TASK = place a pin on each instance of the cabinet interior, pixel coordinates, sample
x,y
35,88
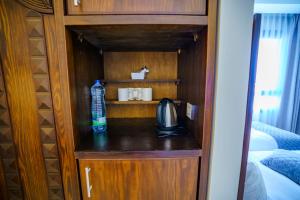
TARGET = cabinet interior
x,y
174,54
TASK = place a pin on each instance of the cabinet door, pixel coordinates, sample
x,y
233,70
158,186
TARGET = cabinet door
x,y
153,179
188,7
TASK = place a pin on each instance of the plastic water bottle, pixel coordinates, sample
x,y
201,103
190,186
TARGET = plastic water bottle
x,y
98,108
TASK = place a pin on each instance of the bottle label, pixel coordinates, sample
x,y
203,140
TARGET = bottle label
x,y
101,121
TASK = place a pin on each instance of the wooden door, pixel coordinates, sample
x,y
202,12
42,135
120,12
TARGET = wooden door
x,y
148,179
28,148
187,7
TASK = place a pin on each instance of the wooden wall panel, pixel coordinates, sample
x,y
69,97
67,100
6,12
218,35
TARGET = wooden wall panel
x,y
191,70
33,140
88,67
56,37
119,65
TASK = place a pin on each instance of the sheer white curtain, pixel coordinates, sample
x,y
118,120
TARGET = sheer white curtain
x,y
277,71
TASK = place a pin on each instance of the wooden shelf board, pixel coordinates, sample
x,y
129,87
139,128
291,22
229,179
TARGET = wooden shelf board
x,y
132,138
154,102
142,81
135,19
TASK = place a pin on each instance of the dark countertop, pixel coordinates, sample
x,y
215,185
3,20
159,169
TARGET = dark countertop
x,y
128,138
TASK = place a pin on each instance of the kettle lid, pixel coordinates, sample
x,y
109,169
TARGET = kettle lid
x,y
166,100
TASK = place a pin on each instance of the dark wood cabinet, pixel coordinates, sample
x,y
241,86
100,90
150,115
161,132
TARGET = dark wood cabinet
x,y
147,179
174,7
50,56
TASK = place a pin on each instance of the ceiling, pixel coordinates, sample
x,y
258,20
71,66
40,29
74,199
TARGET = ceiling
x,y
277,6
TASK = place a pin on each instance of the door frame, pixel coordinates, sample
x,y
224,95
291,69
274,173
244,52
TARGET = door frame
x,y
250,100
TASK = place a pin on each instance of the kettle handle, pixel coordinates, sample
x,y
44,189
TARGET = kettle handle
x,y
158,114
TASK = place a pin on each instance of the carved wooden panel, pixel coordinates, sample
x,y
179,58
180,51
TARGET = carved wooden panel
x,y
12,180
41,80
56,194
48,134
42,6
15,194
41,83
10,165
7,150
39,65
54,180
46,118
52,165
44,101
50,150
37,46
4,117
5,134
28,149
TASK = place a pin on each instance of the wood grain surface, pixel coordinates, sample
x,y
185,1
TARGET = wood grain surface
x,y
155,102
209,96
187,7
134,19
41,6
88,67
191,71
134,137
119,65
140,37
58,69
164,179
8,159
22,100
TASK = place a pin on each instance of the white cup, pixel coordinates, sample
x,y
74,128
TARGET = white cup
x,y
139,92
130,94
147,94
123,94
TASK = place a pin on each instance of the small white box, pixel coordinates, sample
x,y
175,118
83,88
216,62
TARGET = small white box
x,y
137,76
191,111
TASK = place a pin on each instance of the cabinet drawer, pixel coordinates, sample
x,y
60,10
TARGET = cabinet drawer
x,y
186,7
163,179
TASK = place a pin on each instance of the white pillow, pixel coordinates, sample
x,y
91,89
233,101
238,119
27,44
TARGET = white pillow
x,y
255,188
260,141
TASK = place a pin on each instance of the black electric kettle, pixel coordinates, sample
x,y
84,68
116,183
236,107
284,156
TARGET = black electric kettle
x,y
166,115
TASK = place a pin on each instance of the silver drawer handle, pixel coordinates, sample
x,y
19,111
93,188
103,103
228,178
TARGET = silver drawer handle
x,y
88,186
76,2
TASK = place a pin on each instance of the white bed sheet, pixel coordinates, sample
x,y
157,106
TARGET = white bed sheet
x,y
261,141
278,187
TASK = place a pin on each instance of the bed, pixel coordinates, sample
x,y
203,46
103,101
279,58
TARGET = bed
x,y
265,140
278,187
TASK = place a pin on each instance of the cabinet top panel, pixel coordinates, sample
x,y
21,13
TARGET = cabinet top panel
x,y
138,37
135,138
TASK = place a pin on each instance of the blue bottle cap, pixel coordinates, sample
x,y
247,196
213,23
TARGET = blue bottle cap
x,y
98,81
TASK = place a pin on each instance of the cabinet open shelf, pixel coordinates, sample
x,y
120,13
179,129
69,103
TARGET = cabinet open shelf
x,y
154,102
135,137
176,81
175,55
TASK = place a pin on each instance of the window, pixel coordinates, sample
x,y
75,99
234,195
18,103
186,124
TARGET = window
x,y
267,87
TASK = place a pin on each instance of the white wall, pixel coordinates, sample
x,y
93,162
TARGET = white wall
x,y
233,62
